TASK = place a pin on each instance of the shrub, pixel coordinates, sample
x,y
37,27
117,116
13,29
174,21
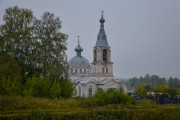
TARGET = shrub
x,y
10,75
38,87
67,89
113,97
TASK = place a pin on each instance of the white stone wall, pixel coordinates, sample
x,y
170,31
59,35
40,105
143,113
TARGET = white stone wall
x,y
82,90
86,87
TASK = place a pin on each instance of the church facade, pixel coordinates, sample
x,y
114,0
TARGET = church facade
x,y
89,78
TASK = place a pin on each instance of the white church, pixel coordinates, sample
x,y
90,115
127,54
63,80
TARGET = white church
x,y
89,78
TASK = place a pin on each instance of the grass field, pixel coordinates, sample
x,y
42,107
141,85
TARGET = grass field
x,y
83,109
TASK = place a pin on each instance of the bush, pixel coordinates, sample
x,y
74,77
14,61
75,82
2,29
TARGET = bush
x,y
113,97
38,87
67,89
10,75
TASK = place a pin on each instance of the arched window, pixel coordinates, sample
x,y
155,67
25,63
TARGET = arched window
x,y
105,55
85,70
106,70
102,70
76,70
80,70
95,54
90,92
79,91
71,70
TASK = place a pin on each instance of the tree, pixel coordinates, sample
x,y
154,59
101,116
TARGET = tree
x,y
67,89
10,75
16,34
50,47
161,89
148,88
55,90
174,82
148,80
172,92
178,91
38,45
37,87
142,92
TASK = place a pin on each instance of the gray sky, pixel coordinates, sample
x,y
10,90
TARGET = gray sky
x,y
144,35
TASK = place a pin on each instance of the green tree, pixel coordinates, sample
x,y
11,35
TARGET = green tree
x,y
55,90
38,45
16,34
152,81
67,89
174,82
142,92
178,91
164,88
50,47
10,75
172,92
37,87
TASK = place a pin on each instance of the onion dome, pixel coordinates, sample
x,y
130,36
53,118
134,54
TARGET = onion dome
x,y
75,61
78,49
102,20
78,59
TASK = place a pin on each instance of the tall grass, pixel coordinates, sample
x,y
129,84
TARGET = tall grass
x,y
82,109
19,103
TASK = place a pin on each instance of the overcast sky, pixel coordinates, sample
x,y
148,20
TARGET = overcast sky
x,y
144,35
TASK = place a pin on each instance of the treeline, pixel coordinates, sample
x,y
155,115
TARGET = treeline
x,y
151,86
33,61
153,81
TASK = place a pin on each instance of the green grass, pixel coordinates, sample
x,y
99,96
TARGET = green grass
x,y
83,109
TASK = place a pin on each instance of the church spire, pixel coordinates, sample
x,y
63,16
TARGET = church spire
x,y
78,49
101,38
102,20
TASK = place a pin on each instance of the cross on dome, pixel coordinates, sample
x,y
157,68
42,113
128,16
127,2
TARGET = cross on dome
x,y
78,38
102,20
78,49
102,12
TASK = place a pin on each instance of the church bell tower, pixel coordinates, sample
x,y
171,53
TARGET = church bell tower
x,y
102,65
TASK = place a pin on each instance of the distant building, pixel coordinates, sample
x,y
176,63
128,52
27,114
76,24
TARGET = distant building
x,y
88,79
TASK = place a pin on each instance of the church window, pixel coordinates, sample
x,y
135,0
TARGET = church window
x,y
90,92
95,54
102,70
80,70
79,91
71,70
106,70
105,55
